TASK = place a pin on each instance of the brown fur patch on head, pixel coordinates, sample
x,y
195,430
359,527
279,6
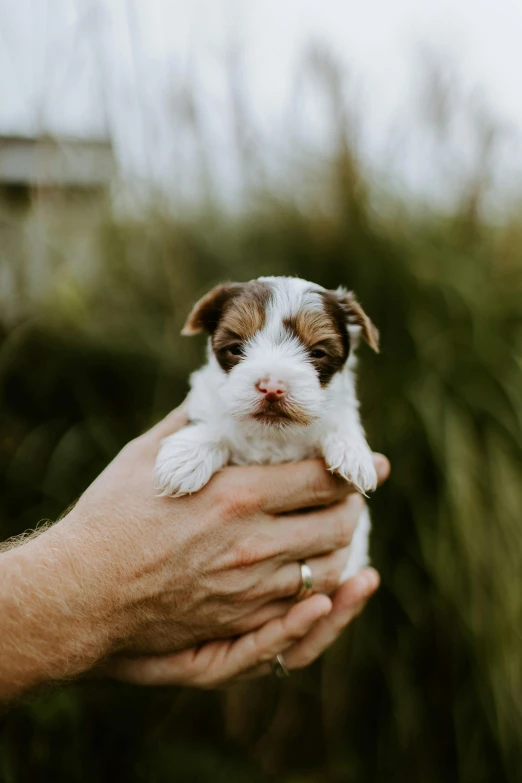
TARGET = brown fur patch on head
x,y
232,314
241,319
323,333
205,315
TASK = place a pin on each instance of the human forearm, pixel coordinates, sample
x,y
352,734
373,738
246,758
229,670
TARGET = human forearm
x,y
52,624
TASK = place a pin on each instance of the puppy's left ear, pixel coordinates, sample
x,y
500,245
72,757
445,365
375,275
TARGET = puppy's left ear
x,y
357,319
207,312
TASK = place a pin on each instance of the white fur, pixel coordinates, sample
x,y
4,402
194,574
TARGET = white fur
x,y
223,432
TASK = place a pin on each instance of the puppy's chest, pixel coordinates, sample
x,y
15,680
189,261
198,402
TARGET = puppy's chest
x,y
252,450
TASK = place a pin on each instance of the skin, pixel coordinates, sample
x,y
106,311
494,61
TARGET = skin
x,y
134,585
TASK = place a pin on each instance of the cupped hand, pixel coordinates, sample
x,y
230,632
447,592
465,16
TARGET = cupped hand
x,y
303,634
163,574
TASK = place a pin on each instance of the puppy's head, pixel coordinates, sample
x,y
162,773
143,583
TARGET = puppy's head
x,y
278,345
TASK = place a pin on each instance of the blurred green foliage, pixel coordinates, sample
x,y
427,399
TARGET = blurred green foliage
x,y
427,685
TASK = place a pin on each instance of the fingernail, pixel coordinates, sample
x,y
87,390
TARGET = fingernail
x,y
382,466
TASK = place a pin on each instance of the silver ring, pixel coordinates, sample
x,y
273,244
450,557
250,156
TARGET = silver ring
x,y
279,667
307,582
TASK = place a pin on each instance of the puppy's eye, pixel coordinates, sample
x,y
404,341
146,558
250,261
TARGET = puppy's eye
x,y
318,353
236,349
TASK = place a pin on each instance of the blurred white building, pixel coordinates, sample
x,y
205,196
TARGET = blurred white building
x,y
52,192
54,167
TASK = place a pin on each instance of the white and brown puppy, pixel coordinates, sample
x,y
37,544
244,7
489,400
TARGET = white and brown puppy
x,y
278,386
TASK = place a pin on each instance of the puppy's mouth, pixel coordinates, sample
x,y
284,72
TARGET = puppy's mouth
x,y
280,414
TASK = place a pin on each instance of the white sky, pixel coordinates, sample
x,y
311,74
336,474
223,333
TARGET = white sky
x,y
83,67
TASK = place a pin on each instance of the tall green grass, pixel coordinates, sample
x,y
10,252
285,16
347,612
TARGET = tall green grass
x,y
427,686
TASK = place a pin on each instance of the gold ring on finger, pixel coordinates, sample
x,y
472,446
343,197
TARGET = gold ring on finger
x,y
307,582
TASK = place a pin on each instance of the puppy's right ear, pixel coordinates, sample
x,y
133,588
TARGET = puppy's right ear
x,y
207,312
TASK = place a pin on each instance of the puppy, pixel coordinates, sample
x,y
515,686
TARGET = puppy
x,y
278,386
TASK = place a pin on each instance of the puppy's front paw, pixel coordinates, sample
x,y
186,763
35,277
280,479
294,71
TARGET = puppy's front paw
x,y
187,461
353,461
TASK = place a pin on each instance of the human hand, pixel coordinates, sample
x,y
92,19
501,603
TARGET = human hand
x,y
302,635
129,572
222,562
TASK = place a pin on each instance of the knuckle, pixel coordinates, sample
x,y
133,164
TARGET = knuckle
x,y
325,488
265,656
320,490
344,529
288,590
331,578
237,502
238,626
238,589
251,549
220,500
252,593
293,637
228,590
247,553
339,534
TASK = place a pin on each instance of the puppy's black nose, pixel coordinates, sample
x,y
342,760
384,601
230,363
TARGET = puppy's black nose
x,y
272,389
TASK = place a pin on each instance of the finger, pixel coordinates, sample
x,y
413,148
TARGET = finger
x,y
143,670
294,485
277,635
318,532
297,485
326,574
382,466
260,616
348,602
217,662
